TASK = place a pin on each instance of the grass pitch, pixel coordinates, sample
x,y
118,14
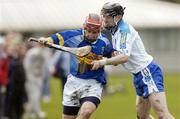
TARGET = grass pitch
x,y
119,105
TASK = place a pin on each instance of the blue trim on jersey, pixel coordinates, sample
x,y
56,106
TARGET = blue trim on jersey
x,y
102,47
66,35
70,34
104,35
123,26
150,77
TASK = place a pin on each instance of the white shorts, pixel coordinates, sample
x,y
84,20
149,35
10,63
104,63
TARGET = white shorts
x,y
76,88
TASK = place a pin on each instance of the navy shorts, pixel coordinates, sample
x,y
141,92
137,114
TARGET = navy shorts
x,y
73,110
149,80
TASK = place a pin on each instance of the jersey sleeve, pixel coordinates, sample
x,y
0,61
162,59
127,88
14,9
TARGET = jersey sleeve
x,y
61,37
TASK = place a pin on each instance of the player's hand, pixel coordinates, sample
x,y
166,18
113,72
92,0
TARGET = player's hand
x,y
43,40
95,65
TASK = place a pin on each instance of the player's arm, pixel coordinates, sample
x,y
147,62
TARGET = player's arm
x,y
114,56
117,59
55,39
121,56
63,37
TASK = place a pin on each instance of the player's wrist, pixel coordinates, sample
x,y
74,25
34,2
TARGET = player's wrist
x,y
102,62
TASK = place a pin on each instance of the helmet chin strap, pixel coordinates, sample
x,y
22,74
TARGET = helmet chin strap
x,y
115,21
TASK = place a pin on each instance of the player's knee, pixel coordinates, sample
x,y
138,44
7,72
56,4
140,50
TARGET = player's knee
x,y
86,113
165,116
161,113
161,116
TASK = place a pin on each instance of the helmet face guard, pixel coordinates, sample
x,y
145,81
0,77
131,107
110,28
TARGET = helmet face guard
x,y
92,27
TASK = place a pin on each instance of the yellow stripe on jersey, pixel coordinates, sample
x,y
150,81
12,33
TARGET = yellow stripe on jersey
x,y
61,41
50,40
123,38
123,41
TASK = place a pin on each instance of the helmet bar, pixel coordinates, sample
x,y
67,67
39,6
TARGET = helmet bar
x,y
96,24
92,27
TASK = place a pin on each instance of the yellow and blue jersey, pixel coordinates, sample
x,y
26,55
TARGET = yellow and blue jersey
x,y
75,38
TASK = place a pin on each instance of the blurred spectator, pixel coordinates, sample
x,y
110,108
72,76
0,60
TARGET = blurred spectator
x,y
12,36
16,94
60,66
113,89
34,63
4,67
47,52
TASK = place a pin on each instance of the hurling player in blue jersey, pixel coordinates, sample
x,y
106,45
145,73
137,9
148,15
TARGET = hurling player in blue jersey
x,y
82,91
148,77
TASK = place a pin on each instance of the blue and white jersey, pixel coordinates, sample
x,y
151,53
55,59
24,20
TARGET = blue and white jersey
x,y
75,38
127,41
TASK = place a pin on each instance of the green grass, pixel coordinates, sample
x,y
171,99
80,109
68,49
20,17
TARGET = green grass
x,y
119,105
